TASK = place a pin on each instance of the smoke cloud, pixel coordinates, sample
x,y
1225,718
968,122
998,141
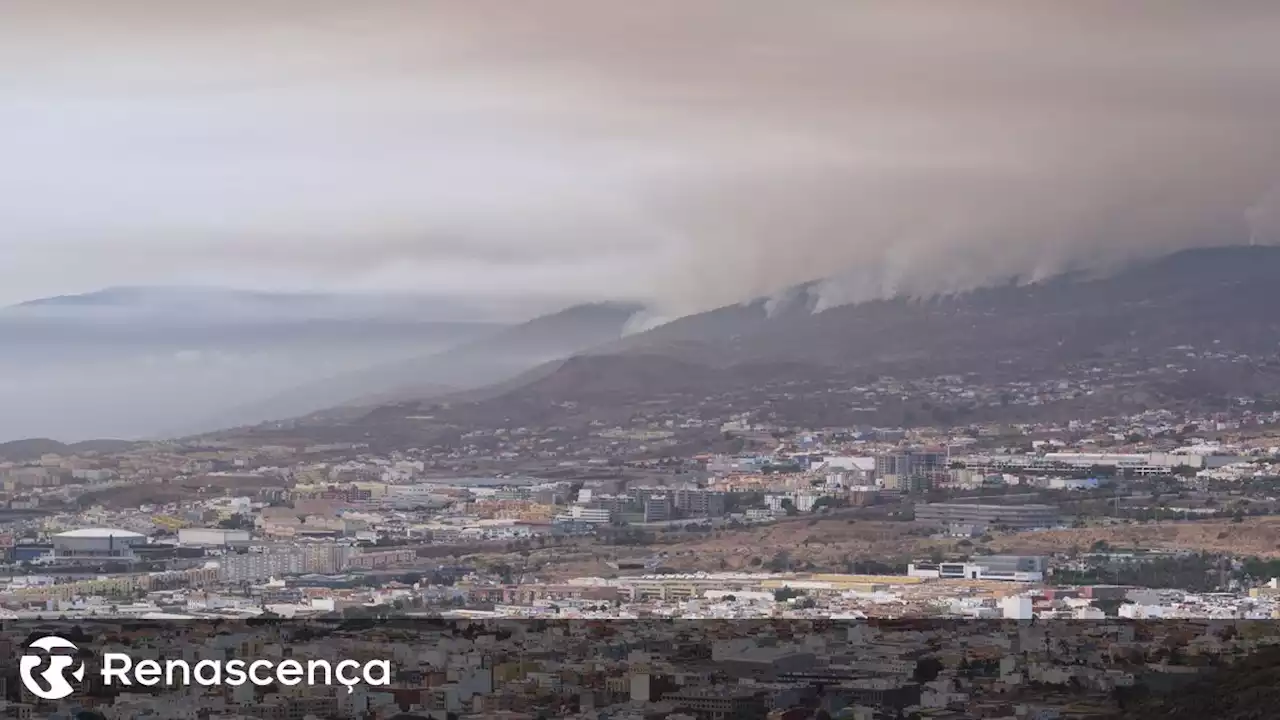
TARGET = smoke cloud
x,y
687,153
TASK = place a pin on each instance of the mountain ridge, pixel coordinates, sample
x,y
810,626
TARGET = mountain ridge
x,y
1218,297
213,302
492,358
28,449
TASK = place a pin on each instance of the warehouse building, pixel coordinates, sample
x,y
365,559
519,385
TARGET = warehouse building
x,y
96,544
1008,568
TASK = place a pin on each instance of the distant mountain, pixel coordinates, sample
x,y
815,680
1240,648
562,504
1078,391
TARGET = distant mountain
x,y
1222,300
204,305
492,358
138,362
33,448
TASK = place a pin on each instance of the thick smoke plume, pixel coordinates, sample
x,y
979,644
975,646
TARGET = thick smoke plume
x,y
688,153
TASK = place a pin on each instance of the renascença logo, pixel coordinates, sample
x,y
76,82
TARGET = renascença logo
x,y
120,669
52,683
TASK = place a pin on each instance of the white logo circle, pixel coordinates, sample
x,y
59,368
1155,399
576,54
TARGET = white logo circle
x,y
54,676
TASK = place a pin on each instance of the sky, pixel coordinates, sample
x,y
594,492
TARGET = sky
x,y
685,152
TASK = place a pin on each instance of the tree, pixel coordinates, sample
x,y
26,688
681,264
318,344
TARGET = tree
x,y
785,593
781,562
927,670
1110,606
824,502
236,522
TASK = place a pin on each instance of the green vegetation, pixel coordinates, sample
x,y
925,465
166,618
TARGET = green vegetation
x,y
626,536
237,522
1260,570
785,593
1196,573
927,669
788,594
781,562
736,502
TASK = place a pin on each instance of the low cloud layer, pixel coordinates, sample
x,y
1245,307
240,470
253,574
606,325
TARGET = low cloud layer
x,y
693,154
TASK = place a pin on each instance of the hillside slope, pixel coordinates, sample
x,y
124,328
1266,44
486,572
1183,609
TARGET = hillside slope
x,y
1223,294
32,448
493,358
1192,331
1217,301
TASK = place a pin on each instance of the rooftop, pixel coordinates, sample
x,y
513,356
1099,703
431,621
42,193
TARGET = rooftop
x,y
99,533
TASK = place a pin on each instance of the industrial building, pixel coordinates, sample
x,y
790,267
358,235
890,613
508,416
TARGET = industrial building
x,y
1017,517
1008,568
96,544
1135,464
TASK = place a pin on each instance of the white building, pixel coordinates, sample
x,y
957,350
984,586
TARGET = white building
x,y
97,543
583,514
1017,608
1142,612
1008,568
803,502
853,469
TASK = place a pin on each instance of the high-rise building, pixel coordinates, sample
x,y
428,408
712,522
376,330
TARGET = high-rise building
x,y
911,463
657,508
921,483
322,558
700,502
